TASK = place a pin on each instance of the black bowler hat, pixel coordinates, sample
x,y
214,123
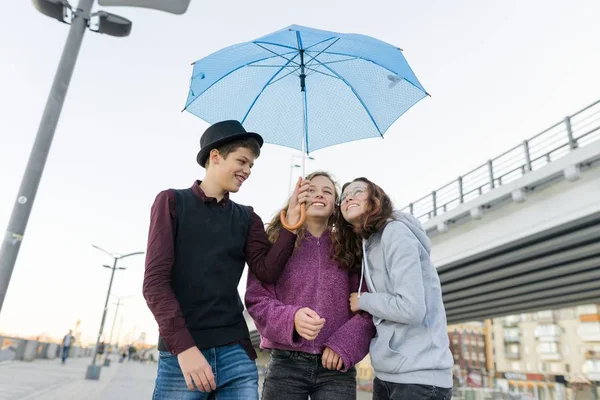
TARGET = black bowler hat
x,y
221,133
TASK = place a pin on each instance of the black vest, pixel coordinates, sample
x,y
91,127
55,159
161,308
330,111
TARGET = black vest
x,y
209,260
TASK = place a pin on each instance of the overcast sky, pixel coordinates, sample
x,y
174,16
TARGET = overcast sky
x,y
498,72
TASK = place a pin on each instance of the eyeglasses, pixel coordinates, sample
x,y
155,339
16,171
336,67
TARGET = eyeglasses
x,y
355,192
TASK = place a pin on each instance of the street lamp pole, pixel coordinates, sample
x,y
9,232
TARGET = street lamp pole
x,y
17,224
41,147
106,360
93,370
109,24
112,276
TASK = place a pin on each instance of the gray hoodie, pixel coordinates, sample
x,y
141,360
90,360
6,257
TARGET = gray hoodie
x,y
405,300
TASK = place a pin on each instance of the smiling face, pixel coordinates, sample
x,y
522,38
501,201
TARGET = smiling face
x,y
232,170
320,208
354,202
322,197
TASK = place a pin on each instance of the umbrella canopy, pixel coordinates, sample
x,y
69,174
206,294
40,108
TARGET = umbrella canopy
x,y
306,88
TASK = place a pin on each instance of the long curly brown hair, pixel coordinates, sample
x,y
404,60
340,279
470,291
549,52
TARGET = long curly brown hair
x,y
347,240
275,226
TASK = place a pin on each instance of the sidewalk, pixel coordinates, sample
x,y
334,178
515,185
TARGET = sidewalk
x,y
50,380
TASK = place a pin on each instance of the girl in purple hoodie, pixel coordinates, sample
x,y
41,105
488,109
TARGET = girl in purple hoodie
x,y
304,319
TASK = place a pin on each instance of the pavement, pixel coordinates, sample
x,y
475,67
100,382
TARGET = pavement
x,y
51,380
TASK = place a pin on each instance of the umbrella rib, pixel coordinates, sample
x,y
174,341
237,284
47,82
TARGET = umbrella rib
x,y
338,61
318,43
275,44
320,72
348,55
284,76
223,77
322,51
271,57
279,55
353,91
196,97
272,66
261,92
373,62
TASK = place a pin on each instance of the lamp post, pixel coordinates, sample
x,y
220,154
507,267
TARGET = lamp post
x,y
79,18
118,303
119,336
93,370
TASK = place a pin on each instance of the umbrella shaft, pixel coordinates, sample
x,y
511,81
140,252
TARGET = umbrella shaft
x,y
302,72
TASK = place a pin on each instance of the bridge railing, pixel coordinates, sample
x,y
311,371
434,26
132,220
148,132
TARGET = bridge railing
x,y
574,131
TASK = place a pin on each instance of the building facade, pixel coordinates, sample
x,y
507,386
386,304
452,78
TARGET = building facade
x,y
549,354
468,346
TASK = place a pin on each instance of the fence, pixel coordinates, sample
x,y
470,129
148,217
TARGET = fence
x,y
577,130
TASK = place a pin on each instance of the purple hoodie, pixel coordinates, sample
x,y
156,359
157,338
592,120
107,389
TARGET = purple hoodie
x,y
311,279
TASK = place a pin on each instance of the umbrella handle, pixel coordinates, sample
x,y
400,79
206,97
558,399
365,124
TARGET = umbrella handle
x,y
300,222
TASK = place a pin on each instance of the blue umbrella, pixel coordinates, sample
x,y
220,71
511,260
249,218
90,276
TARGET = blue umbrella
x,y
306,88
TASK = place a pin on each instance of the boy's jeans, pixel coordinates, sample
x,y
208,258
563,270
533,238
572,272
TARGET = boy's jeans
x,y
293,375
235,373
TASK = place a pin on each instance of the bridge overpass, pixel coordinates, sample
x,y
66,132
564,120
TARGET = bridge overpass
x,y
522,232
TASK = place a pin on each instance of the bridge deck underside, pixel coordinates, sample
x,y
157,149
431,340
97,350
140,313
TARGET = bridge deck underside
x,y
553,269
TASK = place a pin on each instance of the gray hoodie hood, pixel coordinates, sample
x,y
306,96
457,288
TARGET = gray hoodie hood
x,y
415,227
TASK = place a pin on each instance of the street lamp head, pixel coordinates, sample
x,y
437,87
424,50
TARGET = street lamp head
x,y
107,266
170,6
102,250
52,8
121,268
113,25
137,253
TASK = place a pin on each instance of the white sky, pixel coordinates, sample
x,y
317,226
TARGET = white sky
x,y
498,72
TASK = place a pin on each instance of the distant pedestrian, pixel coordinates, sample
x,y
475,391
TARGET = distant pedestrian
x,y
67,342
101,347
131,352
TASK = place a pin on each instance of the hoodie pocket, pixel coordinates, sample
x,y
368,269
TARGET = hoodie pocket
x,y
384,358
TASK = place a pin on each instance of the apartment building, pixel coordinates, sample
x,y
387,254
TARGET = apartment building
x,y
549,354
589,332
467,343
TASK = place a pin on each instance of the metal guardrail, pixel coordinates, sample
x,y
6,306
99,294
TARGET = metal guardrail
x,y
577,130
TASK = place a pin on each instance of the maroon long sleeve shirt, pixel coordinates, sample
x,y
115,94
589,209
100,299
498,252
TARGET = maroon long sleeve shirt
x,y
266,262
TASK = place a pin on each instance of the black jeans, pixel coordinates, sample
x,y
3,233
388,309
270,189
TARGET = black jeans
x,y
293,375
383,390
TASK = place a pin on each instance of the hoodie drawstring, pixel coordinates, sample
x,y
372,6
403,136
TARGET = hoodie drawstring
x,y
362,269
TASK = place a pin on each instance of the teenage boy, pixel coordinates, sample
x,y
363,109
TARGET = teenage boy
x,y
199,241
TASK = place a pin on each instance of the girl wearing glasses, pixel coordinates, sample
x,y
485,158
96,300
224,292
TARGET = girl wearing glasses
x,y
410,353
304,319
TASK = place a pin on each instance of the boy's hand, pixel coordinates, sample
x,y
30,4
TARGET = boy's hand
x,y
196,370
307,323
331,360
299,197
354,303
